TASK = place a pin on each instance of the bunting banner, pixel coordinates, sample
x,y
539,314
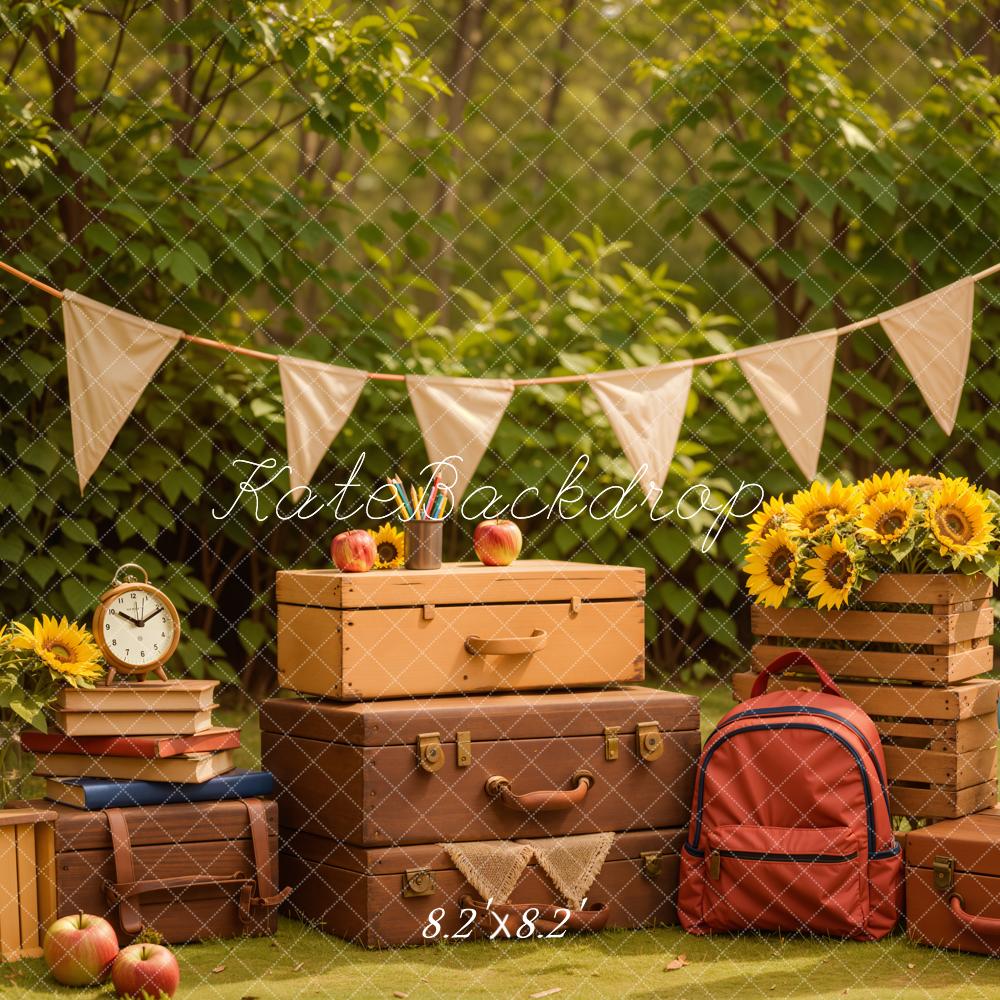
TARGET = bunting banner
x,y
792,381
645,407
318,400
111,357
933,336
458,417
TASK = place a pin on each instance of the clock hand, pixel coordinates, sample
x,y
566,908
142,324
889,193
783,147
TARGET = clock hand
x,y
150,617
128,618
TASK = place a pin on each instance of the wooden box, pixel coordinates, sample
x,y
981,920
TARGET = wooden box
x,y
953,884
917,628
462,628
940,743
384,897
428,770
25,844
190,872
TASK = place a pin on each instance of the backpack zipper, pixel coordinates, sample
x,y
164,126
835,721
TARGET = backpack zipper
x,y
716,855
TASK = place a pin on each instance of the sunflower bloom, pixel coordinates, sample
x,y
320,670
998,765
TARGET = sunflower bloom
x,y
887,517
923,483
833,574
770,567
960,520
66,649
388,547
888,482
818,507
773,514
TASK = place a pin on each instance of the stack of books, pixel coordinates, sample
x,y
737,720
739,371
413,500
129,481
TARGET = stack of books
x,y
144,743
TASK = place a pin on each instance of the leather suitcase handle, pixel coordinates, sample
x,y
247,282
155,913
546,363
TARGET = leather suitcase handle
x,y
550,917
793,658
546,800
984,926
507,646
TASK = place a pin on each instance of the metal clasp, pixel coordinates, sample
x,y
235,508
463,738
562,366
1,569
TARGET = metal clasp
x,y
944,873
611,742
649,740
575,603
430,756
418,882
652,863
714,866
463,748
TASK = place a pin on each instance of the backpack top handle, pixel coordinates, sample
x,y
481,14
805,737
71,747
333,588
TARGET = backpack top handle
x,y
794,657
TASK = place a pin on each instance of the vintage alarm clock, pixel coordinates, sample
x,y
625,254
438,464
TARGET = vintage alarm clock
x,y
136,626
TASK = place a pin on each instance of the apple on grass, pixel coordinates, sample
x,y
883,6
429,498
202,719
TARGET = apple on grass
x,y
353,551
145,968
497,543
79,949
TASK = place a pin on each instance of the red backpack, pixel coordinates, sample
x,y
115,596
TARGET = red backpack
x,y
790,828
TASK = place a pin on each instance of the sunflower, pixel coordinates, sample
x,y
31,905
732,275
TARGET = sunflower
x,y
388,547
66,649
770,566
813,509
773,514
888,482
887,517
923,482
960,519
832,574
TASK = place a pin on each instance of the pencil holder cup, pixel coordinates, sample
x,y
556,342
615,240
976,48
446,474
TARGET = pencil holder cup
x,y
422,544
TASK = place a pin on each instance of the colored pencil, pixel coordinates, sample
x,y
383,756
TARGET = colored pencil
x,y
431,499
396,497
416,502
402,494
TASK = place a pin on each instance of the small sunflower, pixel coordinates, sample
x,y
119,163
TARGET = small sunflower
x,y
832,574
887,517
770,566
388,547
773,514
959,519
888,482
819,506
66,649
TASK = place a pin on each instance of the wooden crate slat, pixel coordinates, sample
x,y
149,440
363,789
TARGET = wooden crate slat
x,y
926,588
10,918
941,803
955,770
958,737
27,879
927,668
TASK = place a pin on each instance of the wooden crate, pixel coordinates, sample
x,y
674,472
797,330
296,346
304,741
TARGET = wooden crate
x,y
25,896
924,629
940,742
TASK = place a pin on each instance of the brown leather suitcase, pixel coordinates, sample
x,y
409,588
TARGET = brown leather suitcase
x,y
464,627
189,872
387,897
953,883
422,771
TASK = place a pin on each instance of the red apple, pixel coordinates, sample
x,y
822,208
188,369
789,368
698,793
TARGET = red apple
x,y
497,543
145,967
353,551
79,950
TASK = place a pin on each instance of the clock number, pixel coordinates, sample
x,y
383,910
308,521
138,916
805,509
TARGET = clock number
x,y
114,642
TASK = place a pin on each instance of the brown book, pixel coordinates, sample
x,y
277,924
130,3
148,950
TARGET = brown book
x,y
216,738
133,723
139,696
189,769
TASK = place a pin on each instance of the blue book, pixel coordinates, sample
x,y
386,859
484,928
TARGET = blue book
x,y
101,793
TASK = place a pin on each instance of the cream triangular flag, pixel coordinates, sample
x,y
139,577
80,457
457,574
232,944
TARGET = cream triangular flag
x,y
492,867
645,407
792,381
318,400
458,417
110,358
933,335
572,863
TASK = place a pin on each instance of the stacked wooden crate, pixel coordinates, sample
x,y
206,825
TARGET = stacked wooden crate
x,y
911,655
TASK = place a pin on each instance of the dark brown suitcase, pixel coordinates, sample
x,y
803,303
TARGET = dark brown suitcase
x,y
953,883
189,872
387,897
427,770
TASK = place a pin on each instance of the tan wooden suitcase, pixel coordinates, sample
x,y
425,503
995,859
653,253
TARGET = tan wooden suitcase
x,y
535,625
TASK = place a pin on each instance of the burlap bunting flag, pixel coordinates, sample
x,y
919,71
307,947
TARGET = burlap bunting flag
x,y
572,863
493,867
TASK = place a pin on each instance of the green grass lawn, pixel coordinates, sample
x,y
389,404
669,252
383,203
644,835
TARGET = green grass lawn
x,y
302,963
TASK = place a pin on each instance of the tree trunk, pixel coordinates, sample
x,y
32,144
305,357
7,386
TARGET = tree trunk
x,y
556,80
181,75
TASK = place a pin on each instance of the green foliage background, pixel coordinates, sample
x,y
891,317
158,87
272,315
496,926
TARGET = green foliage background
x,y
472,187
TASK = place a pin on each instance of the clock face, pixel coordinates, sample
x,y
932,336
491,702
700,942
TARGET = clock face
x,y
138,628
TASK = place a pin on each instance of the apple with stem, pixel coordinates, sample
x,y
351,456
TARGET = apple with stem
x,y
497,543
79,949
353,551
149,969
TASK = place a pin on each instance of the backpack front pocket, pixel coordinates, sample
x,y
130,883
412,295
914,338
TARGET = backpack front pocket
x,y
783,879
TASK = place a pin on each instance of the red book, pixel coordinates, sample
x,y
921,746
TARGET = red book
x,y
150,747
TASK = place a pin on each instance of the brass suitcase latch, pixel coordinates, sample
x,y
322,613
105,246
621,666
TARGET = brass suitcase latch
x,y
649,740
652,863
430,756
611,742
418,882
944,873
463,748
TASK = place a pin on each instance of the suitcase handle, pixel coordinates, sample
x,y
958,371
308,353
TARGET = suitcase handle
x,y
984,926
547,800
507,646
793,658
550,917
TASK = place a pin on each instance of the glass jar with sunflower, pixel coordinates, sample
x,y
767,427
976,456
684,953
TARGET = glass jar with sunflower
x,y
35,662
820,546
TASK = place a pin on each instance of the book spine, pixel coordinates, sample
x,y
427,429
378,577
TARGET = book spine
x,y
154,793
